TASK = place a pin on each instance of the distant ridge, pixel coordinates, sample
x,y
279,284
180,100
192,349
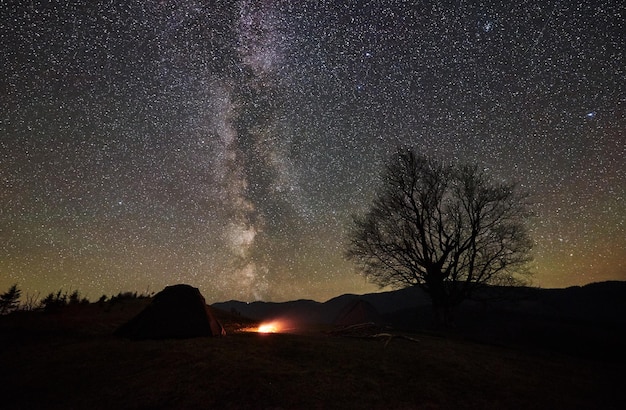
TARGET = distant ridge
x,y
599,301
311,312
587,320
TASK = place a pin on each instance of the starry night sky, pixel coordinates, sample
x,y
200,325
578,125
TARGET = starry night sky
x,y
225,144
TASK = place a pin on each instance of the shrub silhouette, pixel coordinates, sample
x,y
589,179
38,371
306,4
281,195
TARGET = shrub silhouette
x,y
54,300
75,299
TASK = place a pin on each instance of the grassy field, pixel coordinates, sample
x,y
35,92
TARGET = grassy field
x,y
71,361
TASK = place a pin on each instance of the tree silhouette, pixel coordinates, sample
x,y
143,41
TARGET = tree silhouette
x,y
9,300
446,228
54,300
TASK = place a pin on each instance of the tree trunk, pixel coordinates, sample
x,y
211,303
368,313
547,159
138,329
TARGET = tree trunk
x,y
444,314
443,305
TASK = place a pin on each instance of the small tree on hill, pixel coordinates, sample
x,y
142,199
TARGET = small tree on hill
x,y
446,228
30,302
9,300
75,299
54,300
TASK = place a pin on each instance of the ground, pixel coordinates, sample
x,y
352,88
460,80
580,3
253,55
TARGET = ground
x,y
71,360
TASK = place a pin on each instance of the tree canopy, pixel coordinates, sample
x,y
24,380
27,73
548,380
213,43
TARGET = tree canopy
x,y
447,228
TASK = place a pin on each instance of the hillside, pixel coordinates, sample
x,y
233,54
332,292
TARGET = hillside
x,y
69,358
586,321
71,368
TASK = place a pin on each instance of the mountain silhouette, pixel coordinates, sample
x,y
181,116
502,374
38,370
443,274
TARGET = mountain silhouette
x,y
585,320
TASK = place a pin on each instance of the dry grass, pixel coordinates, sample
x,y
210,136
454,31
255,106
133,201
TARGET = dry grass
x,y
80,366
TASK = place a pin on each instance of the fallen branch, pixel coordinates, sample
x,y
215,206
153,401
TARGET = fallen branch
x,y
391,336
370,331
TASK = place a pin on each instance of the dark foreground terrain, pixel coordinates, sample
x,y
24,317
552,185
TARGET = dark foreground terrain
x,y
69,359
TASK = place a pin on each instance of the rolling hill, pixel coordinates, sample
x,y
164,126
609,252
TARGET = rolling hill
x,y
586,320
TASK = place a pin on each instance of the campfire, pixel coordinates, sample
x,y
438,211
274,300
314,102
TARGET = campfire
x,y
271,327
274,326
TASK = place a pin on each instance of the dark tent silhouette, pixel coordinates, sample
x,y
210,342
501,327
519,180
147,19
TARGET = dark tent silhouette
x,y
177,312
356,312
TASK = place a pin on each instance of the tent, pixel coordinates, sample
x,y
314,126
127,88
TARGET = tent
x,y
357,312
177,312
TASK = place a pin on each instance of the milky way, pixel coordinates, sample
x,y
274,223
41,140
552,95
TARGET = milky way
x,y
226,144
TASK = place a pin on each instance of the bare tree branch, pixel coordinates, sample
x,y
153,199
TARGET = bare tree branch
x,y
445,228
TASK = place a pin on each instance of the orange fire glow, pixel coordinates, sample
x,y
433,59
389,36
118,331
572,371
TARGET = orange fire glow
x,y
272,327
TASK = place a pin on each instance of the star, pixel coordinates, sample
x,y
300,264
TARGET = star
x,y
227,145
